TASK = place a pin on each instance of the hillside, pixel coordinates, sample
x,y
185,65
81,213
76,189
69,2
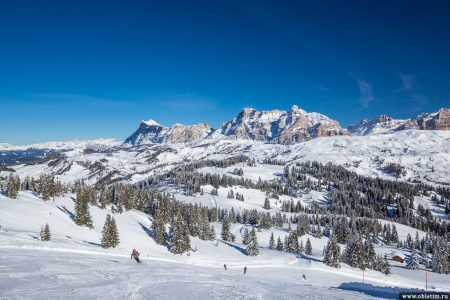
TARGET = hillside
x,y
72,248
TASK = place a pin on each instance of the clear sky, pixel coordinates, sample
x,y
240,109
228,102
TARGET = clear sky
x,y
89,69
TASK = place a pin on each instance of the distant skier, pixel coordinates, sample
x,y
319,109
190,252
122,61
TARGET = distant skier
x,y
135,255
225,266
245,270
304,276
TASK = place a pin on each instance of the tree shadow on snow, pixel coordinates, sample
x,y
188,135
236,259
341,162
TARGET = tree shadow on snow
x,y
376,291
67,212
149,232
240,249
92,243
34,237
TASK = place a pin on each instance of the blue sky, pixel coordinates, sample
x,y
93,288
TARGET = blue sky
x,y
90,69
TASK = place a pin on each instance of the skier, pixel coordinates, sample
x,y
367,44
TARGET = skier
x,y
225,266
245,270
135,255
304,276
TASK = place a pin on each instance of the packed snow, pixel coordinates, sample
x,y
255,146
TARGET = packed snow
x,y
73,262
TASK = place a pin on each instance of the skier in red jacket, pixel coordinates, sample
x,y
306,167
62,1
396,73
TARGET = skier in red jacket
x,y
135,255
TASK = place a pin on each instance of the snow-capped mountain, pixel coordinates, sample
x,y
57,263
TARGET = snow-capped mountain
x,y
434,121
278,126
383,124
64,145
152,132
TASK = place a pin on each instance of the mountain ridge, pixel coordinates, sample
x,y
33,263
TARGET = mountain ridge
x,y
439,120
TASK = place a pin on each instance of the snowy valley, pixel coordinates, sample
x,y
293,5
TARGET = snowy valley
x,y
310,209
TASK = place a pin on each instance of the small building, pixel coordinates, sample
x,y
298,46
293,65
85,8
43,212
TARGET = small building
x,y
398,257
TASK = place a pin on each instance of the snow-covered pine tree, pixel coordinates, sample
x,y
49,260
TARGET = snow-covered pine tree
x,y
232,216
110,233
378,263
114,239
354,252
45,234
177,236
371,255
332,253
301,248
342,231
292,245
308,247
246,237
394,235
319,233
267,203
212,233
412,262
105,232
279,246
252,247
159,228
272,242
417,241
439,261
226,233
82,215
13,186
386,267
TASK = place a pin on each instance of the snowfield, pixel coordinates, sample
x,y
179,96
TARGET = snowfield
x,y
423,155
74,265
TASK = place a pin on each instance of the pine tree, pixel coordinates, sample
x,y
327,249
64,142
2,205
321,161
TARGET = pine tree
x,y
308,247
292,245
110,234
246,237
82,215
332,253
417,241
179,237
301,248
355,254
319,232
412,262
342,231
105,232
272,242
440,262
394,234
13,186
279,246
226,233
252,247
371,255
159,228
267,203
386,267
45,234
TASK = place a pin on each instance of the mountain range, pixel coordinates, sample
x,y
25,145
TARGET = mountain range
x,y
281,127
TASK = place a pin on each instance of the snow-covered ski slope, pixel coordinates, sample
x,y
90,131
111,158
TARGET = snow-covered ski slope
x,y
423,155
74,264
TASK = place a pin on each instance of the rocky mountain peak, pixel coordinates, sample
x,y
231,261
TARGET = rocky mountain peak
x,y
152,132
279,126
